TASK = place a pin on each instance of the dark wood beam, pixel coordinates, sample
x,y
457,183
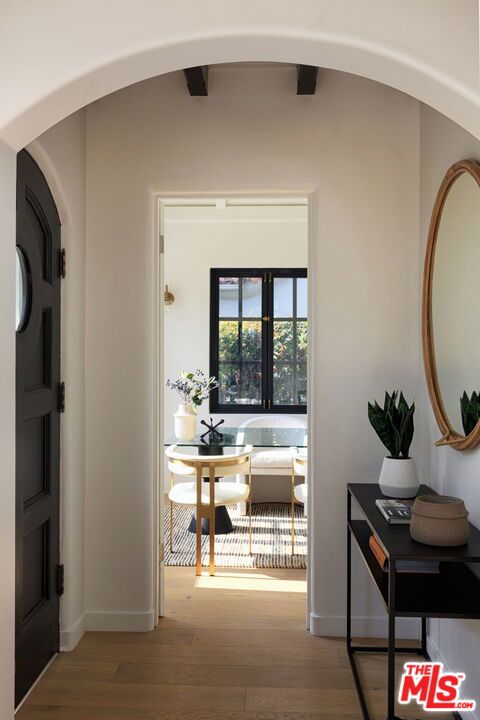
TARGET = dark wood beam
x,y
197,80
306,79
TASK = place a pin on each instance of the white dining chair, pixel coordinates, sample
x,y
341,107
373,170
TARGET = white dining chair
x,y
205,493
268,460
299,491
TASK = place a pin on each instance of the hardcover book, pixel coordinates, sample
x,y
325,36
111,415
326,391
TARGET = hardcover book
x,y
396,512
403,566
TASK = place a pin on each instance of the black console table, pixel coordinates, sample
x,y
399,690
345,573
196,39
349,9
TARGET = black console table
x,y
453,593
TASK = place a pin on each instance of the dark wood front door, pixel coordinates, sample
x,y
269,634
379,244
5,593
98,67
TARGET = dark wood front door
x,y
37,426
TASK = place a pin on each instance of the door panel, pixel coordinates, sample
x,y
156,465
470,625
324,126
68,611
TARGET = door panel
x,y
37,430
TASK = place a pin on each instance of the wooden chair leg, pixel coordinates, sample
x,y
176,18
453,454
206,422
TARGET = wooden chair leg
x,y
199,520
171,526
171,514
212,520
250,509
293,510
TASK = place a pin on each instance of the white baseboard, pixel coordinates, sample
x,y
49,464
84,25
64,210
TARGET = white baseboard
x,y
120,621
436,656
377,627
70,637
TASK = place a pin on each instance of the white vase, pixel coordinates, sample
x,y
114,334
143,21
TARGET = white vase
x,y
185,422
399,477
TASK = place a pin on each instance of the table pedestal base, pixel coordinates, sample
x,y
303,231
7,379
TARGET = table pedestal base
x,y
223,524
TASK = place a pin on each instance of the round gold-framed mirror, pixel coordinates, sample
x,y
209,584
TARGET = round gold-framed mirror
x,y
451,302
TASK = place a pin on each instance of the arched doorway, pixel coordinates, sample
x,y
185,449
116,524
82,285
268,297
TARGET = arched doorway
x,y
70,88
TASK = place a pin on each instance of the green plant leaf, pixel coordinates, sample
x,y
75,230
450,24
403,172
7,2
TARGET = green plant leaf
x,y
393,423
470,410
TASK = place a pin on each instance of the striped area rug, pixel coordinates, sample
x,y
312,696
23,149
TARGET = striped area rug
x,y
271,539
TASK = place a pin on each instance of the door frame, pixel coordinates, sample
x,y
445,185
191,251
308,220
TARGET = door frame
x,y
162,200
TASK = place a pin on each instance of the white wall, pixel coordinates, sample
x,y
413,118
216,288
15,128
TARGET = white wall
x,y
355,144
8,172
61,154
63,62
449,471
198,239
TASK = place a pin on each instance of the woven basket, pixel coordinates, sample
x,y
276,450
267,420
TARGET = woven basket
x,y
439,520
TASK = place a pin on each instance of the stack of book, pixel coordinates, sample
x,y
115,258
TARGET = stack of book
x,y
402,566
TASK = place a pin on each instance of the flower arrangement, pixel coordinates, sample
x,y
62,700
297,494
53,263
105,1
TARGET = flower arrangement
x,y
193,387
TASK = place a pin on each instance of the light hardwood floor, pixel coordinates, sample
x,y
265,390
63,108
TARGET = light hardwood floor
x,y
231,647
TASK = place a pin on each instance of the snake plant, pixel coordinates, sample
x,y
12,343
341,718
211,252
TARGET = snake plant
x,y
393,423
470,411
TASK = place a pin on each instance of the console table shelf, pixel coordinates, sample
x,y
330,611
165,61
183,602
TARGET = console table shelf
x,y
423,595
454,592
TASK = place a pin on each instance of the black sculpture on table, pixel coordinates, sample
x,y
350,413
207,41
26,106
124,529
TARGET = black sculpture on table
x,y
212,439
214,434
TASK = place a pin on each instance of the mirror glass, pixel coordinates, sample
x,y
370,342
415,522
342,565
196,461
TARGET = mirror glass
x,y
456,301
22,294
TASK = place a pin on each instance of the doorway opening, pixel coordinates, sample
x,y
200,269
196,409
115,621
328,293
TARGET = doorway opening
x,y
232,297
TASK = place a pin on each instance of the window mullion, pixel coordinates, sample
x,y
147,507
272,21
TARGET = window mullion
x,y
294,336
269,358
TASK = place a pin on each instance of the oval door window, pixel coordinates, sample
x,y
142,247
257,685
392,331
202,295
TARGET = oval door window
x,y
22,300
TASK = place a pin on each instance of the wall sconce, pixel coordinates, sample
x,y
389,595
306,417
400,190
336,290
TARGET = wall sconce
x,y
168,297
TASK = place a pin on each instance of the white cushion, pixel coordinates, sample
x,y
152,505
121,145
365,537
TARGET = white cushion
x,y
185,493
273,421
273,457
300,493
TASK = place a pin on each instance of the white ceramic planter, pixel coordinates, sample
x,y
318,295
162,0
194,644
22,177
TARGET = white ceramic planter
x,y
185,422
399,477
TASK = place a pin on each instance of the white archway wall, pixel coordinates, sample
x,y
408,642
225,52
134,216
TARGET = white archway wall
x,y
428,49
356,145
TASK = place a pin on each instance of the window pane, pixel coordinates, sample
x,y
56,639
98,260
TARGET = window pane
x,y
228,377
302,297
23,291
228,340
283,297
240,384
302,340
252,297
240,369
228,293
283,341
282,385
250,390
251,341
301,389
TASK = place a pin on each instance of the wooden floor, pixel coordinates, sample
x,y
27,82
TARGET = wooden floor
x,y
232,647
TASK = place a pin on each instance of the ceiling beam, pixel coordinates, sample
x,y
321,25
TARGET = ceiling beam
x,y
306,79
197,80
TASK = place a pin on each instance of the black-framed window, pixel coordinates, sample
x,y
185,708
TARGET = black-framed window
x,y
258,340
